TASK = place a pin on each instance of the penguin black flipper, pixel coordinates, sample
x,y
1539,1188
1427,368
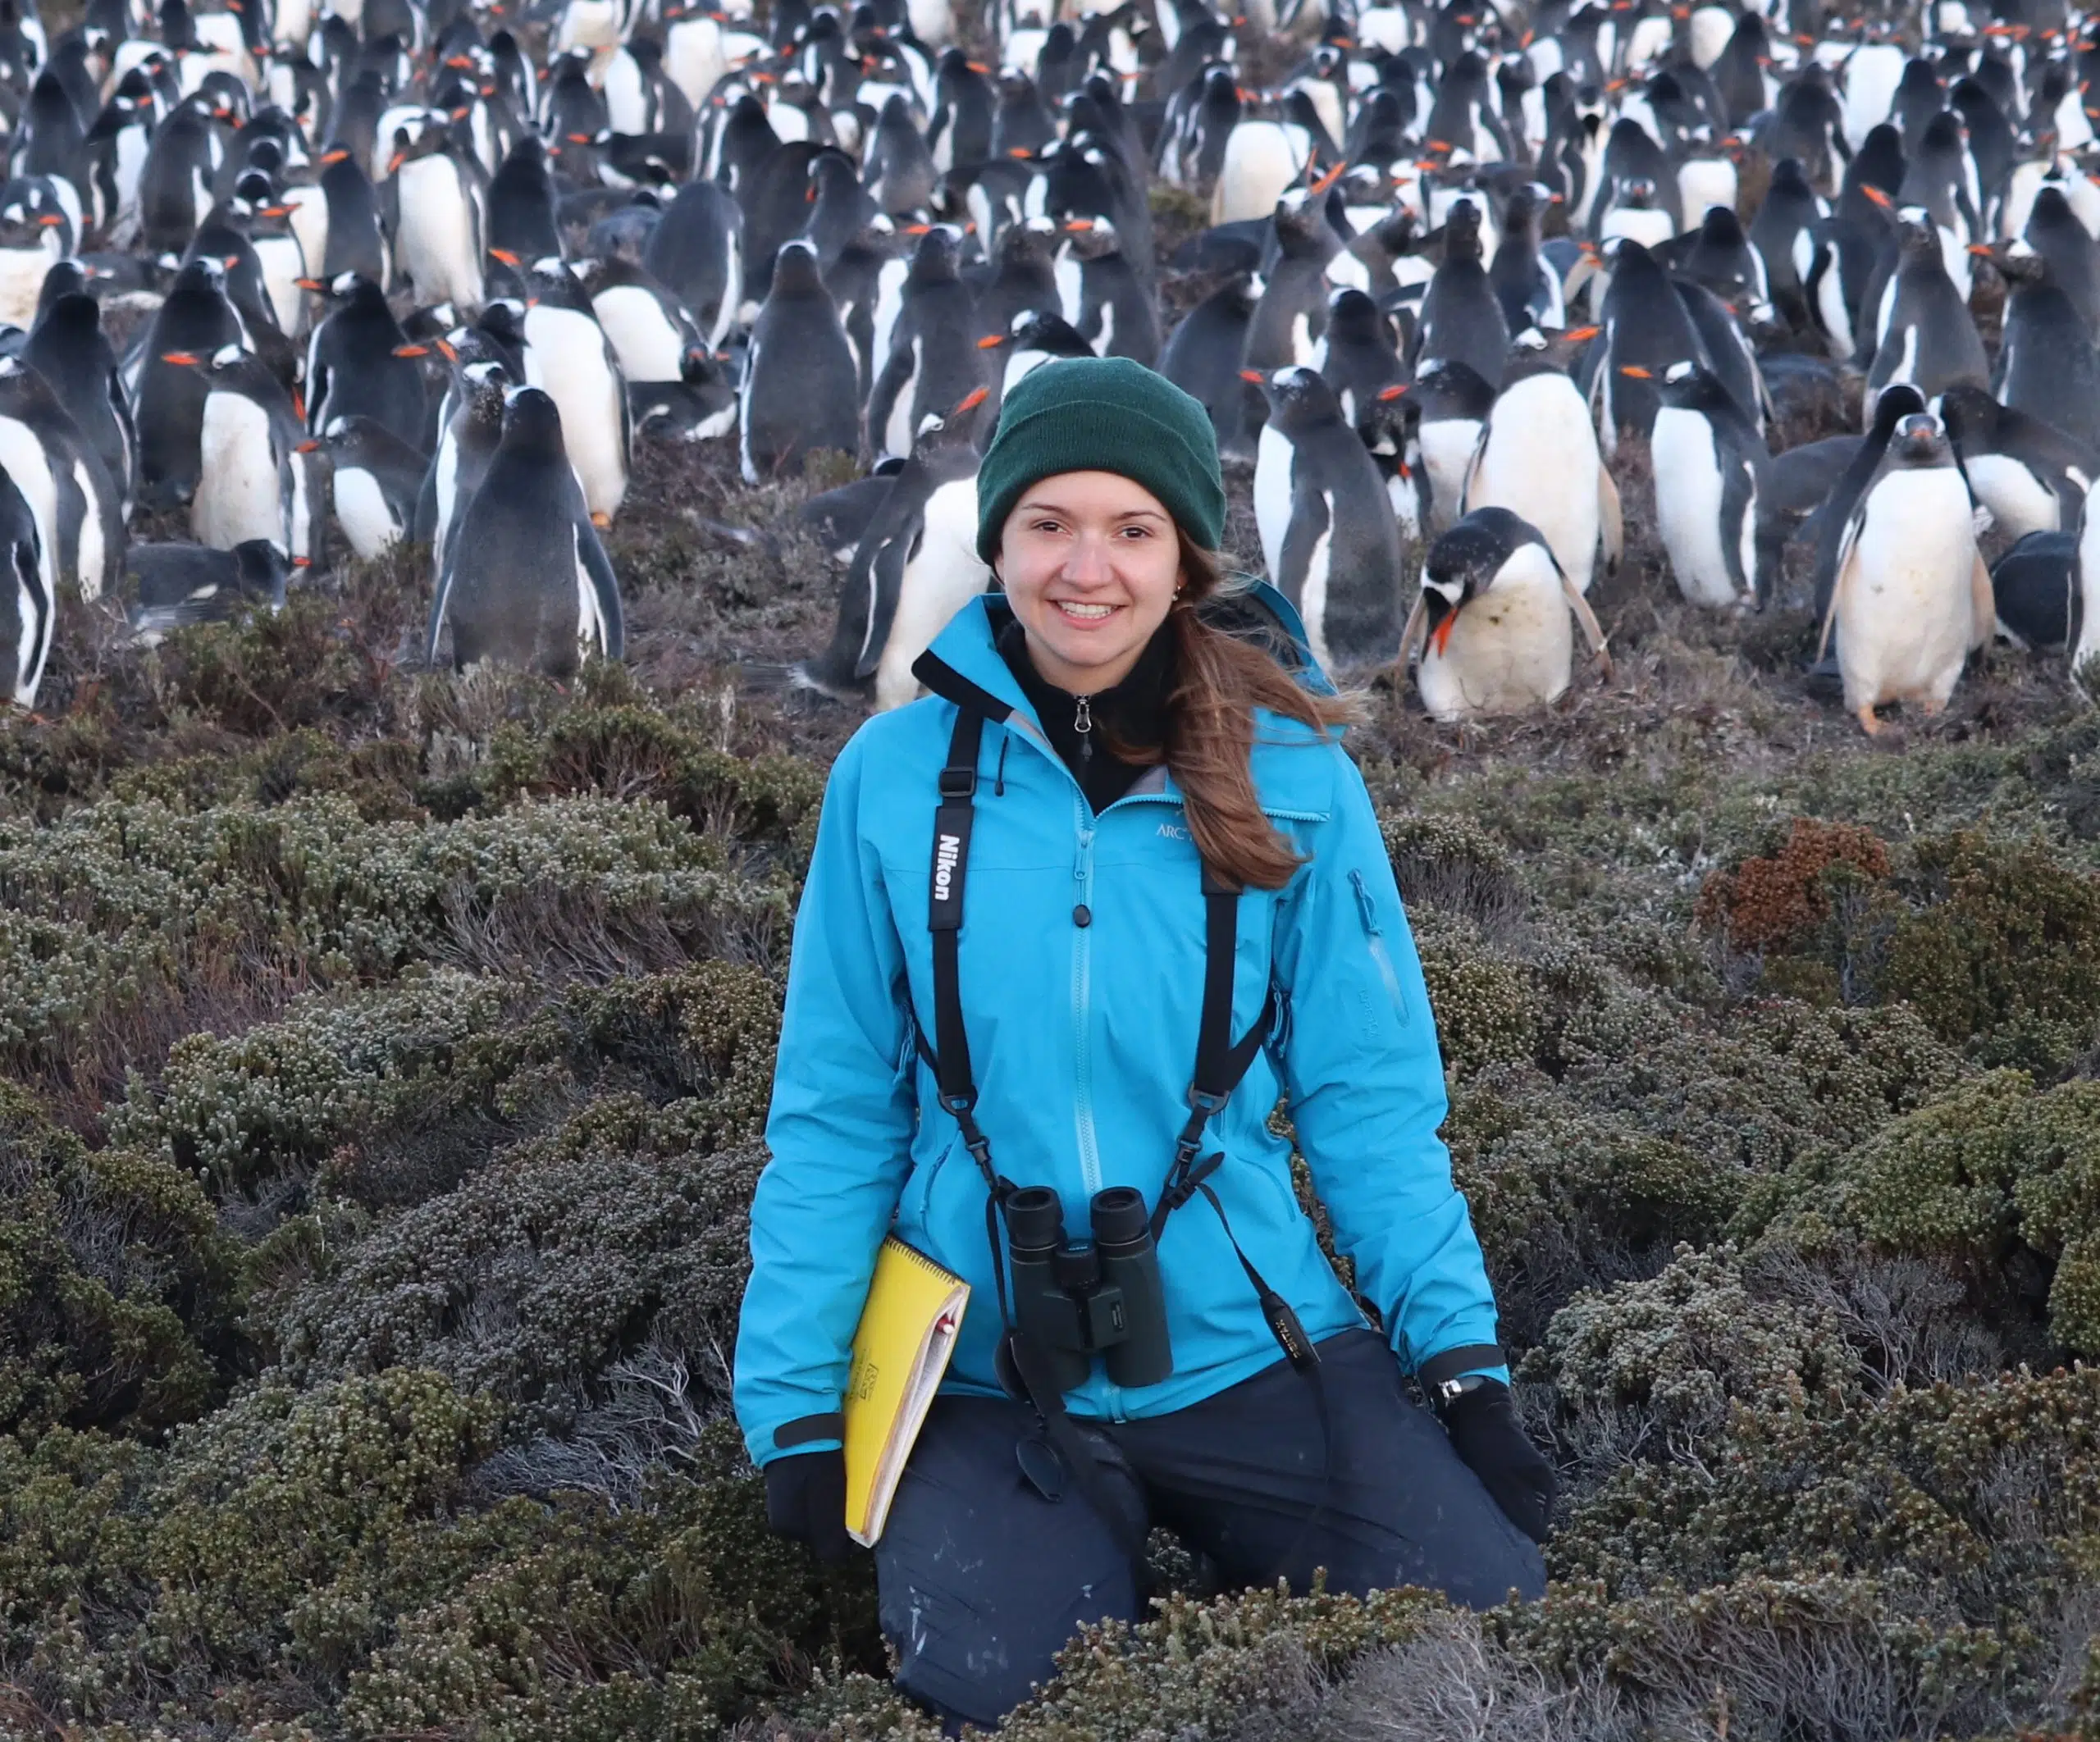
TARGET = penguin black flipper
x,y
1302,558
879,598
598,569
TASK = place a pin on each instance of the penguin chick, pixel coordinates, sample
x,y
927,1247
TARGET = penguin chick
x,y
1493,621
1912,598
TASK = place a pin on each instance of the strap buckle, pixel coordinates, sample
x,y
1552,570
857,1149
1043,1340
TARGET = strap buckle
x,y
958,784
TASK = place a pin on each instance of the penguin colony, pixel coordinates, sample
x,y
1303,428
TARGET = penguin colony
x,y
426,269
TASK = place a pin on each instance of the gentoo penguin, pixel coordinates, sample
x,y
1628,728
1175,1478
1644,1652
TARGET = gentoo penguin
x,y
2048,363
1528,289
1118,314
697,253
1646,328
69,349
800,382
179,585
1537,456
1360,353
1709,466
375,478
2035,593
437,236
914,567
525,580
1461,315
1036,340
465,446
1202,358
1926,336
934,362
570,357
651,332
521,202
360,364
1291,315
1781,233
1493,621
175,182
1328,535
356,240
28,609
257,477
1825,528
1451,403
1912,598
2054,232
900,169
169,389
2031,476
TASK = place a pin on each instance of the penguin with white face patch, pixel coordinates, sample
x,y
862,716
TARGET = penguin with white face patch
x,y
29,611
27,254
258,477
1118,314
1710,465
526,581
1537,456
68,348
1496,621
913,568
800,392
1036,340
1912,598
360,364
1328,535
374,480
570,357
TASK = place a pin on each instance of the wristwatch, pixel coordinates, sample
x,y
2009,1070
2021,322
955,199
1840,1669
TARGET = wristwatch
x,y
1450,1390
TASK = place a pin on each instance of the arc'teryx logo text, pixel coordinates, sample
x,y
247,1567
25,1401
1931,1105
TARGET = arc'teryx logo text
x,y
945,851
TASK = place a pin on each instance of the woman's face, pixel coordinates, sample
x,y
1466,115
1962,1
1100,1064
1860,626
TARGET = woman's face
x,y
1090,562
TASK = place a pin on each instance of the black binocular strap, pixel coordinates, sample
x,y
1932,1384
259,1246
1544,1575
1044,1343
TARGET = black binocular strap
x,y
1220,1063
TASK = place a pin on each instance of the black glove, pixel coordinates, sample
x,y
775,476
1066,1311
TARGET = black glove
x,y
1485,1433
805,1498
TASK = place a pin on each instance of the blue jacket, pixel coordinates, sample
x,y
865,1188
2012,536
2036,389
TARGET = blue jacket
x,y
1082,1037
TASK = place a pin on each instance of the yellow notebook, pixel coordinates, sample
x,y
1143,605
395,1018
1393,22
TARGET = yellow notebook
x,y
907,1333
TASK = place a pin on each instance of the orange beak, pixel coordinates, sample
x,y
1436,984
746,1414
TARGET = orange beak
x,y
1440,638
971,400
1581,334
1636,371
181,359
991,342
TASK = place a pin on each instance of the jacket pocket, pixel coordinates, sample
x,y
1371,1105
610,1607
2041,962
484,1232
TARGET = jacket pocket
x,y
917,1201
1374,937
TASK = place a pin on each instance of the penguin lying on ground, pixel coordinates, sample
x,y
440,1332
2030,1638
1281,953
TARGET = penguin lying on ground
x,y
179,585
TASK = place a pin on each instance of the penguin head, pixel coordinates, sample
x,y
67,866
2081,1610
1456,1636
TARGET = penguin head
x,y
1353,317
1298,398
532,423
1920,441
794,273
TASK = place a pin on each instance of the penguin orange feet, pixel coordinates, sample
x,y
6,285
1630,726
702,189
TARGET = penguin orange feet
x,y
601,520
1869,723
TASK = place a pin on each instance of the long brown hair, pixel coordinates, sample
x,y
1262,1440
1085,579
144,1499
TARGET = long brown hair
x,y
1221,678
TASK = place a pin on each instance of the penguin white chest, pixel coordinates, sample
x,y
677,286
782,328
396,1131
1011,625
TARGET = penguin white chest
x,y
239,495
1447,449
571,351
2085,652
648,345
1903,607
361,510
2018,500
438,246
25,460
1540,461
22,273
943,574
1688,507
1510,648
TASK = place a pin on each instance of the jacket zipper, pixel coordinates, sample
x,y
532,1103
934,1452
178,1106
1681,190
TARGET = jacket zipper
x,y
1082,1007
1366,912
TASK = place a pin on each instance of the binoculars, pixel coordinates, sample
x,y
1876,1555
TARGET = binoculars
x,y
1079,1298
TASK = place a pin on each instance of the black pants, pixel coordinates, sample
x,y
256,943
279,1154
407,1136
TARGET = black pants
x,y
983,1580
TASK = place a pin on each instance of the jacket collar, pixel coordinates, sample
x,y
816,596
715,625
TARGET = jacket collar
x,y
963,667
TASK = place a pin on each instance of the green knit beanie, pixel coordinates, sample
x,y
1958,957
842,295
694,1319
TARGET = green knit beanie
x,y
1103,414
